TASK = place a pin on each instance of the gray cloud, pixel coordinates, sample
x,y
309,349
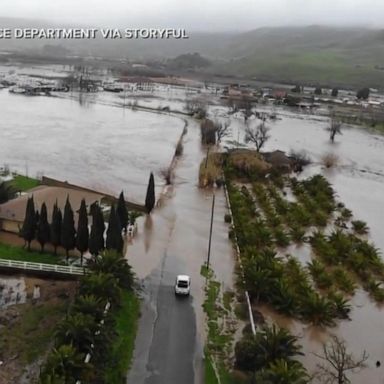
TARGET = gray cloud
x,y
201,14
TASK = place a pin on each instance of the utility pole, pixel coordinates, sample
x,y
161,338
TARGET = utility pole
x,y
210,231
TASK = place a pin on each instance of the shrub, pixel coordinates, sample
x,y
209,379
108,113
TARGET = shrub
x,y
346,213
281,238
330,160
341,307
297,233
179,149
343,281
268,346
360,227
317,310
319,274
228,218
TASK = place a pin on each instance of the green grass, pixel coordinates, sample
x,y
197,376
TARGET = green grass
x,y
24,183
210,376
122,349
10,252
324,67
33,332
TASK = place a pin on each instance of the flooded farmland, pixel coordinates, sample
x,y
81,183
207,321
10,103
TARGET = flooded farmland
x,y
97,146
91,141
358,180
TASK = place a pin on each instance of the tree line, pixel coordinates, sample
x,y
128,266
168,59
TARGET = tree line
x,y
61,230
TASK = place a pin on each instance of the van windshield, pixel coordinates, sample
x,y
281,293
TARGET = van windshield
x,y
182,284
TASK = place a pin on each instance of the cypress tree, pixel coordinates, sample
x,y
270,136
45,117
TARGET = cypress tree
x,y
56,223
82,238
150,197
93,243
100,228
68,232
96,238
114,238
28,231
122,211
43,230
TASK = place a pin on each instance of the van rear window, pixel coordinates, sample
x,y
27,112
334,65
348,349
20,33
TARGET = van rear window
x,y
182,284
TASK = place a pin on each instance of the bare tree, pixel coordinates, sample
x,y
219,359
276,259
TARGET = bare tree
x,y
258,135
246,108
196,107
222,130
338,362
334,129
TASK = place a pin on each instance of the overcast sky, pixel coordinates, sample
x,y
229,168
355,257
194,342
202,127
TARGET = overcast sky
x,y
200,14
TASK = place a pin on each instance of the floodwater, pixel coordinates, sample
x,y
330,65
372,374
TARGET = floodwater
x,y
97,146
174,240
88,140
358,180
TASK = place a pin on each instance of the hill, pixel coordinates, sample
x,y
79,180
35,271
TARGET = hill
x,y
316,55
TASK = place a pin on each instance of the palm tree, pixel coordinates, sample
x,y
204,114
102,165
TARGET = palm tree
x,y
283,297
259,281
254,353
89,305
341,306
66,364
317,310
6,192
112,262
77,330
284,372
276,343
102,285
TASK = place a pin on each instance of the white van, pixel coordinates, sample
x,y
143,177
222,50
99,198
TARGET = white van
x,y
182,285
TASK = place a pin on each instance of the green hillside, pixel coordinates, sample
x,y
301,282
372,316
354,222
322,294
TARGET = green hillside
x,y
317,55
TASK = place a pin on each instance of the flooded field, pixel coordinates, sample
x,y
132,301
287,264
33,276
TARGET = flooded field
x,y
97,146
358,180
92,141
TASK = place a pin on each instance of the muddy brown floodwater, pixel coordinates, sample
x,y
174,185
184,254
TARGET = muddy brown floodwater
x,y
96,146
358,180
174,240
88,140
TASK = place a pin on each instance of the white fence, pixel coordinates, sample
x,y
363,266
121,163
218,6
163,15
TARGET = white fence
x,y
30,266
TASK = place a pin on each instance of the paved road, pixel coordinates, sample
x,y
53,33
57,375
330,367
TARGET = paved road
x,y
170,340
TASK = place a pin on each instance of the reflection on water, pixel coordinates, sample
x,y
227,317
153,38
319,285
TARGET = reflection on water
x,y
12,291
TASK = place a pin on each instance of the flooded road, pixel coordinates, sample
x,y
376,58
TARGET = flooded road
x,y
169,345
96,144
109,148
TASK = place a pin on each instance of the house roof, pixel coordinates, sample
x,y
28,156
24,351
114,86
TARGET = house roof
x,y
15,209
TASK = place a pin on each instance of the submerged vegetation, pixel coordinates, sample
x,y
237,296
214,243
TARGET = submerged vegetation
x,y
266,223
274,213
